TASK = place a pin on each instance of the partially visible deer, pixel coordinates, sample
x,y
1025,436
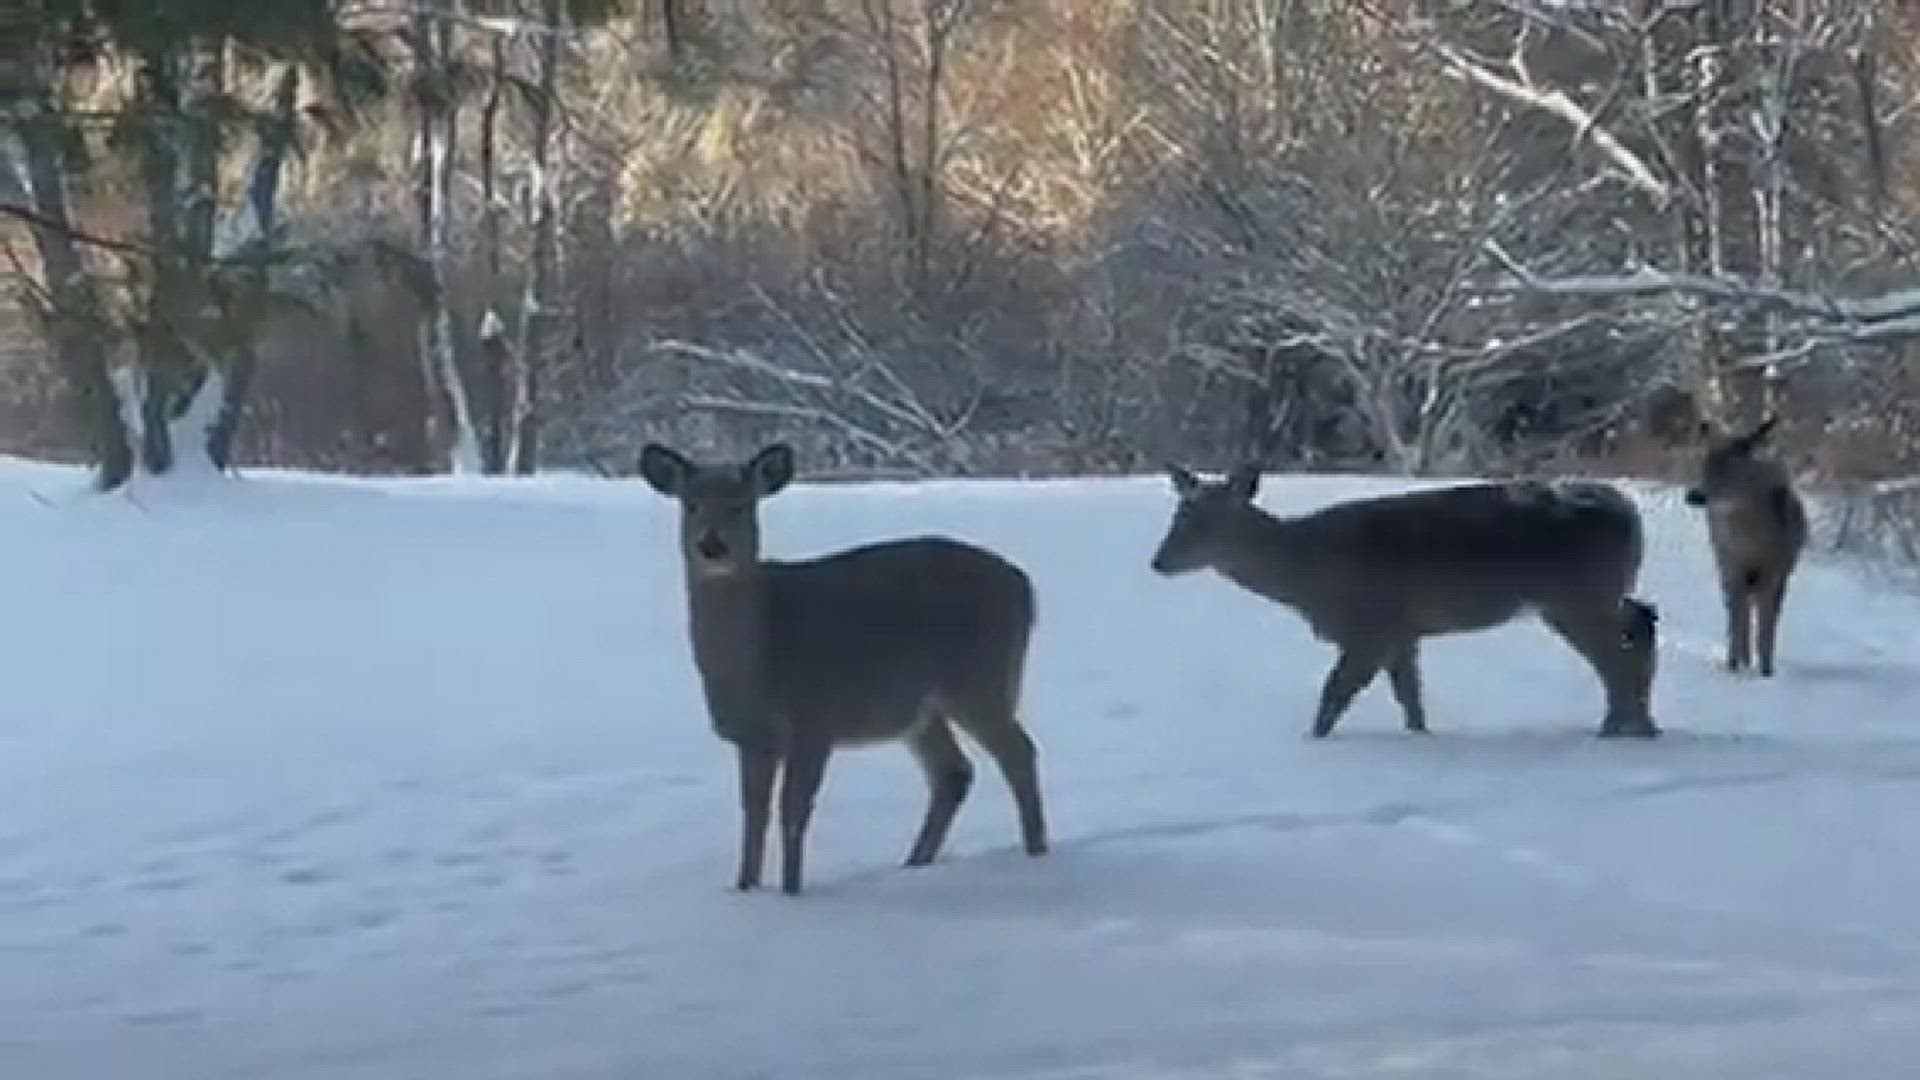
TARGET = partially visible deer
x,y
1375,576
898,640
1758,527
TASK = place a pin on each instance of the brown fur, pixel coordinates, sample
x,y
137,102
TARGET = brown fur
x,y
1376,576
1757,526
898,640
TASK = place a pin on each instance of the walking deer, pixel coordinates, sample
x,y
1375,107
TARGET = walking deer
x,y
1375,576
897,640
1757,526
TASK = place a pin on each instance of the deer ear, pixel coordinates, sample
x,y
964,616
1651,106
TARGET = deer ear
x,y
1184,482
770,470
1243,483
664,470
1762,430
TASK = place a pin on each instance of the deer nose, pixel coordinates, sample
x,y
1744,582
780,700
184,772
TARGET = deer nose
x,y
711,547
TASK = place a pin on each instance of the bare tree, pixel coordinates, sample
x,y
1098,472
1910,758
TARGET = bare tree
x,y
539,307
914,51
70,305
1757,80
436,98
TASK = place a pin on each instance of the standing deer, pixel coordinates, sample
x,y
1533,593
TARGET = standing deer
x,y
1375,576
1757,526
894,640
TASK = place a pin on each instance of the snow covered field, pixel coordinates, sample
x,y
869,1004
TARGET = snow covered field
x,y
306,778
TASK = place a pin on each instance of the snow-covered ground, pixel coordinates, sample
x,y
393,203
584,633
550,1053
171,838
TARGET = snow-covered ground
x,y
306,778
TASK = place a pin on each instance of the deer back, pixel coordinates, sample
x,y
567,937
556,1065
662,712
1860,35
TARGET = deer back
x,y
1419,562
867,639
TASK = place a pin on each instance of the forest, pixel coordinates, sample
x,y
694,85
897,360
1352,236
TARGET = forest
x,y
962,237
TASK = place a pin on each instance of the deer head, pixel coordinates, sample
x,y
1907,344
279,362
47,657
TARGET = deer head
x,y
719,504
1200,516
1725,468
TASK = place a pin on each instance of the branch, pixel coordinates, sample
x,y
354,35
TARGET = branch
x,y
1556,102
36,292
740,358
40,221
377,16
828,417
1882,317
1907,485
1649,282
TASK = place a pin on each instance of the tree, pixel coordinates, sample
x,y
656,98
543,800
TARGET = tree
x,y
68,302
1714,117
194,290
508,439
436,92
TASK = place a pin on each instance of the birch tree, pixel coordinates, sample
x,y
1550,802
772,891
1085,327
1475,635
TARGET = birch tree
x,y
436,91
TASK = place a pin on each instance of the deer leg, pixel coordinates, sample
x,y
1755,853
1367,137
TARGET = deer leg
x,y
949,776
1617,640
1350,674
1739,597
805,767
1403,671
757,769
990,713
1013,751
1773,593
1637,652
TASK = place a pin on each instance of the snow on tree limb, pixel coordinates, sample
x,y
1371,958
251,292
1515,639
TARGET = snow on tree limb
x,y
1524,91
1890,314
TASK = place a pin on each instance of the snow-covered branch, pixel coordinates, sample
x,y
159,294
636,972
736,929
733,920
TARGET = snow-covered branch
x,y
1522,90
1880,317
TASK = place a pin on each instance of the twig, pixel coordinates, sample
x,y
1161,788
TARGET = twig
x,y
41,221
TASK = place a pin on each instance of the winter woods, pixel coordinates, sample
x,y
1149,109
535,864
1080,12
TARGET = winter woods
x,y
959,236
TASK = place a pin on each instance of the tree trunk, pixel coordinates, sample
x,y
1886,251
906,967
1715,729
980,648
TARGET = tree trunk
x,y
1769,123
1725,183
1866,79
78,342
263,194
536,317
926,231
494,447
440,369
161,353
674,21
181,154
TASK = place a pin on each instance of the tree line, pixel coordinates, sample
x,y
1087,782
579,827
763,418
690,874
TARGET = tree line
x,y
935,237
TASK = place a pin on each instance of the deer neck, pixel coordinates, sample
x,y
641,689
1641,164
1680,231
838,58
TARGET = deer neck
x,y
1264,555
728,620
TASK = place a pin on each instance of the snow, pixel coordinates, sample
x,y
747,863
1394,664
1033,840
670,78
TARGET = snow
x,y
316,778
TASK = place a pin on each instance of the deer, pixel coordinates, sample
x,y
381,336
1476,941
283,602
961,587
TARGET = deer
x,y
1757,527
893,641
1376,576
